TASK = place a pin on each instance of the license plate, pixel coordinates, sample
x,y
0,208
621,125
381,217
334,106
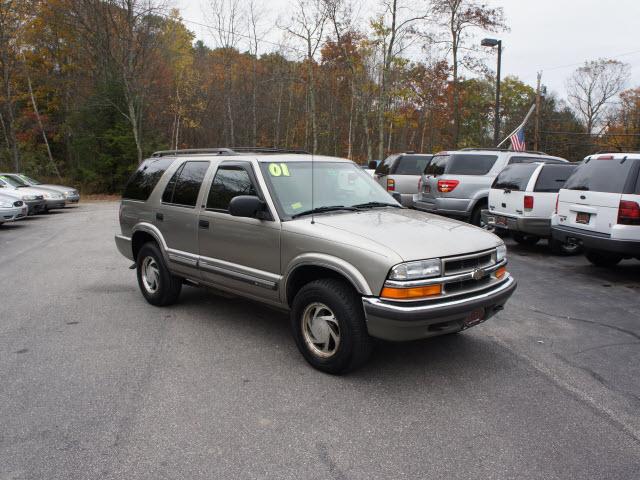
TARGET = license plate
x,y
583,218
474,318
501,221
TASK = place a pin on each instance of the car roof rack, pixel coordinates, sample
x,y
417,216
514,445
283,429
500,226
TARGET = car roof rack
x,y
227,151
536,152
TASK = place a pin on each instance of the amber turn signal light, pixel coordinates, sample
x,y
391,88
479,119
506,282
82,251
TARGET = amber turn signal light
x,y
411,293
500,272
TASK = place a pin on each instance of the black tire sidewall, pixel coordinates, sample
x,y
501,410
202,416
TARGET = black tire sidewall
x,y
163,295
340,298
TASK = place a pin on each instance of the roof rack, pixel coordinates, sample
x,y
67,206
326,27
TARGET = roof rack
x,y
503,150
226,151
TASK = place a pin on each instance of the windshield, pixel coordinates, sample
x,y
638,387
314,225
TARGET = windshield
x,y
600,175
335,184
29,180
13,181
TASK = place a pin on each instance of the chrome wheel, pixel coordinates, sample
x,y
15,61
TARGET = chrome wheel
x,y
150,275
320,330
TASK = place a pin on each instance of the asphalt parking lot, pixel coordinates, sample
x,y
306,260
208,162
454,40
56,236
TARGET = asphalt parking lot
x,y
96,383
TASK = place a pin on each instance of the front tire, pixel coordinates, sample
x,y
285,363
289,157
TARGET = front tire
x,y
603,259
328,325
158,286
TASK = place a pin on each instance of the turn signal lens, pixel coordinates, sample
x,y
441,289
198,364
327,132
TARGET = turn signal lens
x,y
500,272
391,185
411,293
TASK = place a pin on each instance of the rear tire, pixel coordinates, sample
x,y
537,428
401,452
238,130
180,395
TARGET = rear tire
x,y
158,286
603,259
566,249
328,325
525,239
476,215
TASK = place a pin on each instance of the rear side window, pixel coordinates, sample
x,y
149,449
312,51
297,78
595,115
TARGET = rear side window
x,y
184,186
145,179
229,182
553,177
385,167
411,165
437,165
534,159
465,164
595,175
515,177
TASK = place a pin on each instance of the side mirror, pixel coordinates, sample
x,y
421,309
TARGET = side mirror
x,y
246,206
372,165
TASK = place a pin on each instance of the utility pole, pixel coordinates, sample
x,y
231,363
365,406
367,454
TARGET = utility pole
x,y
536,141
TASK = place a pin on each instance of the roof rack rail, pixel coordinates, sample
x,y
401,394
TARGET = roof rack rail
x,y
504,150
226,151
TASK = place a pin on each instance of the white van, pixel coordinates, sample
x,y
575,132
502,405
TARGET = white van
x,y
599,207
522,200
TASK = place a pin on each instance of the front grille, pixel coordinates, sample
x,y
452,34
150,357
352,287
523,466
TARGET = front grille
x,y
470,285
468,263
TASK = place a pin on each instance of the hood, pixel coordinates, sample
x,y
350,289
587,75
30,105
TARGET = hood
x,y
22,191
57,188
411,234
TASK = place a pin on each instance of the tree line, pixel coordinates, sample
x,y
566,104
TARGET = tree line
x,y
91,87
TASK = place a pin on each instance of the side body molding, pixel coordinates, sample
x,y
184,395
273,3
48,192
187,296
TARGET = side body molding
x,y
326,261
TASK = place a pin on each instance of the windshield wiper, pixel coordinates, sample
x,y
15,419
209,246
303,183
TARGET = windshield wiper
x,y
331,208
376,204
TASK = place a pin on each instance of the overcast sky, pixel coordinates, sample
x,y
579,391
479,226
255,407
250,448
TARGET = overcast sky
x,y
554,36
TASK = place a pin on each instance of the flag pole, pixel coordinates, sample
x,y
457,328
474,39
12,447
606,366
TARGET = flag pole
x,y
524,122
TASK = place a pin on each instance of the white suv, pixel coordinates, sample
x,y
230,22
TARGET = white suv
x,y
522,200
599,207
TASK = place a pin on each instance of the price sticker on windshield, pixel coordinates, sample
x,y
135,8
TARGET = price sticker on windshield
x,y
279,170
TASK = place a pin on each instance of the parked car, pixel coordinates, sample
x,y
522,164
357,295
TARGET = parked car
x,y
347,261
599,207
400,173
71,195
52,198
522,201
457,183
34,199
11,209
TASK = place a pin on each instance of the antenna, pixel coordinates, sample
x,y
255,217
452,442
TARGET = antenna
x,y
312,182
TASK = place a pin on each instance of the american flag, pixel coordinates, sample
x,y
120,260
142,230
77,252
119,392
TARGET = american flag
x,y
517,140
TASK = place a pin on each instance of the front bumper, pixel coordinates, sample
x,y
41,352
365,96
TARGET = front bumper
x,y
124,246
11,214
540,227
72,198
53,204
596,241
401,322
35,206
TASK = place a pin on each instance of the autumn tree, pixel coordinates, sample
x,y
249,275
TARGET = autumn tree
x,y
459,19
592,87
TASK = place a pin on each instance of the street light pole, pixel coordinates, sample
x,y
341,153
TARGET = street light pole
x,y
492,42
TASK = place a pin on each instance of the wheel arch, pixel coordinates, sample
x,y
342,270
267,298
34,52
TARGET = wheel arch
x,y
143,233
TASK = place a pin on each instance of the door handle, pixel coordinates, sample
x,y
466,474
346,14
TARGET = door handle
x,y
204,224
159,217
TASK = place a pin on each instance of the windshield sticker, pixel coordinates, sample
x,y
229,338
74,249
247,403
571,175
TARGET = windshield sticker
x,y
279,170
296,205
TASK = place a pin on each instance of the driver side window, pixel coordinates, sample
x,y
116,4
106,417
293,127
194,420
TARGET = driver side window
x,y
229,182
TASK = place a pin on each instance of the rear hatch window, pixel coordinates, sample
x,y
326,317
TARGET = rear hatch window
x,y
383,168
610,176
515,177
411,165
461,164
144,180
553,177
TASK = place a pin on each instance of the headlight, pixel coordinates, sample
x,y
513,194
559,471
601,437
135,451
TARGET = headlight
x,y
53,196
501,252
5,205
29,197
416,270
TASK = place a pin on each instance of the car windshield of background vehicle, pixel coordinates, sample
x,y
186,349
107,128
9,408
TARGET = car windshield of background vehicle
x,y
12,181
30,180
411,165
553,177
334,184
595,175
437,165
466,164
515,177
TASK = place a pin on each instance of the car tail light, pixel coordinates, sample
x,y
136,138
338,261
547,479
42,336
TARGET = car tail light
x,y
445,186
557,200
391,185
420,184
628,213
528,202
605,157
